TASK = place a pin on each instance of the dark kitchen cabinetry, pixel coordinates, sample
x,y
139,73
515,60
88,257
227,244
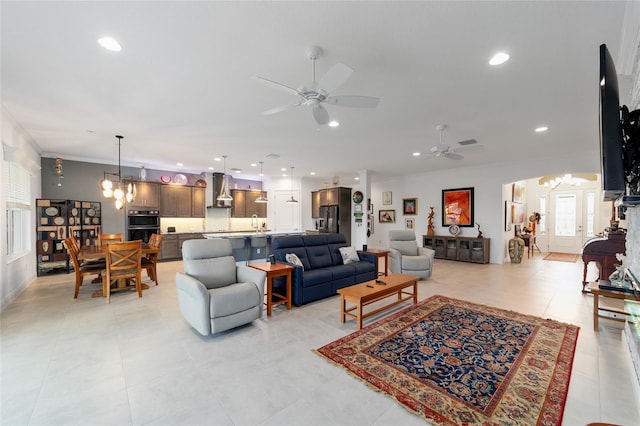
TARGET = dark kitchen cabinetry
x,y
147,197
315,204
169,248
340,197
197,202
244,203
182,201
175,201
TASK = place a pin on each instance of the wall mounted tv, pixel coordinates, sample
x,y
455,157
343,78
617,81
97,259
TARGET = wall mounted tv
x,y
612,166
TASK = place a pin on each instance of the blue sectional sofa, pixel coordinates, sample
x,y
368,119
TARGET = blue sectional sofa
x,y
323,271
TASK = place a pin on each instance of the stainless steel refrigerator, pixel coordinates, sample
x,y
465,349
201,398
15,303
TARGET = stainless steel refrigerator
x,y
331,219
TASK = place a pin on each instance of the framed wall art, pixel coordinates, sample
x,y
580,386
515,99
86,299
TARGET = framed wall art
x,y
457,207
409,206
508,205
387,216
518,193
386,198
409,224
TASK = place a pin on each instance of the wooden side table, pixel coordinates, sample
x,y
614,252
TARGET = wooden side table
x,y
379,254
274,270
595,289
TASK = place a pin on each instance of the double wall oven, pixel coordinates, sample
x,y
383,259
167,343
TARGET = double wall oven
x,y
142,223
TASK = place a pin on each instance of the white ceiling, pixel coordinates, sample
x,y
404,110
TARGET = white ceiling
x,y
181,89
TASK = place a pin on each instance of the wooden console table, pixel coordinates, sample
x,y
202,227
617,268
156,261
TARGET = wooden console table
x,y
466,249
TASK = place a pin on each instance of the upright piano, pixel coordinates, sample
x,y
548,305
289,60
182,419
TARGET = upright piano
x,y
602,250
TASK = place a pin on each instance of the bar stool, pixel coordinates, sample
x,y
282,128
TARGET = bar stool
x,y
258,242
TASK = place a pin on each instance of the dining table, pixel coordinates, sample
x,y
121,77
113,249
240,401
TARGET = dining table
x,y
99,252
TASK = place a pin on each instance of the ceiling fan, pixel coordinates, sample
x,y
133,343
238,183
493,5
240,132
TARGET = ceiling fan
x,y
446,151
315,94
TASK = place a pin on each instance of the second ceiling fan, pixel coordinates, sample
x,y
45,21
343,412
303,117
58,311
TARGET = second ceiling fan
x,y
315,94
447,151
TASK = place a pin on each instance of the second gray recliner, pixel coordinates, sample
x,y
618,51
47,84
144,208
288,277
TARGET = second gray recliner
x,y
406,257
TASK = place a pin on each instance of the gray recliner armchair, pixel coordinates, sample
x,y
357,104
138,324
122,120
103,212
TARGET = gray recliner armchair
x,y
406,257
215,294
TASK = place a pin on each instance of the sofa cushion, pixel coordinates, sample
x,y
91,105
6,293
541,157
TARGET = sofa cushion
x,y
233,299
349,255
319,256
341,271
335,241
214,272
314,240
363,267
316,276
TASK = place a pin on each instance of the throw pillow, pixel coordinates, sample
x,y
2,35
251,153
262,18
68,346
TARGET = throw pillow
x,y
293,258
349,255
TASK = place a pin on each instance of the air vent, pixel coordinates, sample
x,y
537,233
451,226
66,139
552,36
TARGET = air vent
x,y
467,142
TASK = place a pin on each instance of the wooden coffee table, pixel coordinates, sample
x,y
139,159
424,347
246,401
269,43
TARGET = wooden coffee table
x,y
364,294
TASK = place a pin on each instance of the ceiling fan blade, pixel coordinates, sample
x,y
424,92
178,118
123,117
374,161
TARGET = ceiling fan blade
x,y
453,156
279,86
320,114
335,77
468,148
353,101
279,109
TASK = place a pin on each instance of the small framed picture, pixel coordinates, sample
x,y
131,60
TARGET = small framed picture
x,y
357,208
409,224
386,198
387,216
409,206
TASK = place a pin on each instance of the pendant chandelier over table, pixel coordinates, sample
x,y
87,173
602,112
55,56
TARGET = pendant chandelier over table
x,y
115,188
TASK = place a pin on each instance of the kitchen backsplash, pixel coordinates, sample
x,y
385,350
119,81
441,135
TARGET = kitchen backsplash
x,y
217,220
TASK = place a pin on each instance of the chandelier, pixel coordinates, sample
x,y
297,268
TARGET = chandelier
x,y
224,196
261,199
576,179
292,200
114,188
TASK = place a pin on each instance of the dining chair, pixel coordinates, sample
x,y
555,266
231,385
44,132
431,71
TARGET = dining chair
x,y
110,238
150,261
123,262
81,270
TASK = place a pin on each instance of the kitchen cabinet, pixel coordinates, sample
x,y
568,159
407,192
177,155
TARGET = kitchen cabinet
x,y
315,204
197,202
147,197
175,201
169,248
465,249
244,203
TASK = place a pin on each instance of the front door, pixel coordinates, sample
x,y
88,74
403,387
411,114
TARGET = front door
x,y
565,222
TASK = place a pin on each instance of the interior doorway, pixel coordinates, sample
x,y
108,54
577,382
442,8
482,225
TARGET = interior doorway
x,y
286,216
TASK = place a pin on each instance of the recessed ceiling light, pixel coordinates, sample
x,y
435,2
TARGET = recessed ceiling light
x,y
179,164
312,173
357,178
217,159
210,168
416,154
541,129
333,123
283,170
110,43
253,164
499,58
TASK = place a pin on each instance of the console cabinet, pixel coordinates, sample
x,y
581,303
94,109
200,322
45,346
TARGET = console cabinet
x,y
465,249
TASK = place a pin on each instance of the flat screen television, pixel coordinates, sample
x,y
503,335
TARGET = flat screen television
x,y
611,166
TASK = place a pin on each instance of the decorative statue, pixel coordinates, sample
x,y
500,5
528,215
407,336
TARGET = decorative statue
x,y
516,249
479,231
430,231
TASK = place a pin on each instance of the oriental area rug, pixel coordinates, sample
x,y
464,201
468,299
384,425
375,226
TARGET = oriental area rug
x,y
455,362
562,257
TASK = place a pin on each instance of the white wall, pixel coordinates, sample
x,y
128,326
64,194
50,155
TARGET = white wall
x,y
489,195
17,273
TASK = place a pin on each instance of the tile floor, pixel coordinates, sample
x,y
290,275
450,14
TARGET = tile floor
x,y
136,361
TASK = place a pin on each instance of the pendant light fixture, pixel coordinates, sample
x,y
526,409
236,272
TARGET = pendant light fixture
x,y
261,199
224,195
118,193
292,200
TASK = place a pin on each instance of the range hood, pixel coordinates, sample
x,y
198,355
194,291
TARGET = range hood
x,y
218,188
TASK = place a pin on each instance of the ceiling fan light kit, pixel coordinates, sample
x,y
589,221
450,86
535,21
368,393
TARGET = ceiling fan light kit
x,y
315,93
